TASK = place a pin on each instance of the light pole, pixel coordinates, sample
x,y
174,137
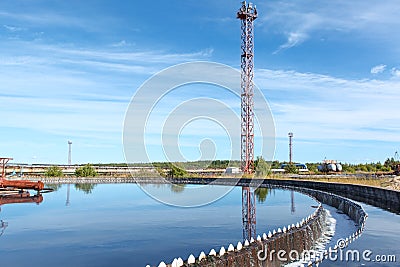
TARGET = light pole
x,y
290,147
69,152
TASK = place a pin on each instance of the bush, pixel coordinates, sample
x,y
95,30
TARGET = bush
x,y
176,172
54,171
291,168
86,171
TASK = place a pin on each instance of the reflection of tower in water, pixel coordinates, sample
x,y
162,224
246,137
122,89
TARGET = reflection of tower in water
x,y
293,207
248,213
69,165
247,14
68,189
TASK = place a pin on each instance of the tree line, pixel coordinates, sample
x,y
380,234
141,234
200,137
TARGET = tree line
x,y
262,168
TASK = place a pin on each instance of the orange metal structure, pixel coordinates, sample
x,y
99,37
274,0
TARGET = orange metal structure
x,y
3,162
38,186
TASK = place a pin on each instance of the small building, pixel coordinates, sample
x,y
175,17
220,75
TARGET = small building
x,y
232,170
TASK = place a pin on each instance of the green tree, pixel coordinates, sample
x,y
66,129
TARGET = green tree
x,y
312,167
86,171
262,168
176,172
275,164
291,168
349,168
54,171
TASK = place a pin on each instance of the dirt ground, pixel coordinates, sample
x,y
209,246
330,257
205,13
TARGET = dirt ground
x,y
394,183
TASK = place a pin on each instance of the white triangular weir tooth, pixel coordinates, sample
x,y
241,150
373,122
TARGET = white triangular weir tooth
x,y
202,255
258,238
212,252
239,246
252,240
162,264
246,243
222,251
265,237
179,262
231,248
191,259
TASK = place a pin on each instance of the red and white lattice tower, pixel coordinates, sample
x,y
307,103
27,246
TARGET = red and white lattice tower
x,y
247,14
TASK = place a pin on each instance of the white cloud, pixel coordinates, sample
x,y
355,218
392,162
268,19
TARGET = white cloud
x,y
378,69
51,18
395,72
52,87
12,28
121,43
294,39
303,19
325,107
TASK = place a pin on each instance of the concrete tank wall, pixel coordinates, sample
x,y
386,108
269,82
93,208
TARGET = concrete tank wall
x,y
298,238
379,197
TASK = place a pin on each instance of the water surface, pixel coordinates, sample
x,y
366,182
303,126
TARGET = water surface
x,y
119,225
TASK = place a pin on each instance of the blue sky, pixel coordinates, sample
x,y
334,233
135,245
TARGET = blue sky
x,y
330,71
